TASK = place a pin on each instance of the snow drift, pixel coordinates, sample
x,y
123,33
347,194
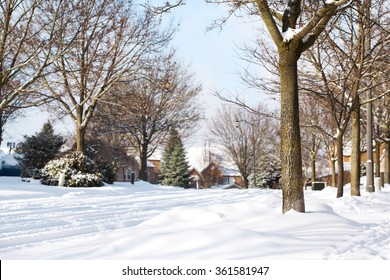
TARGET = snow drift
x,y
156,222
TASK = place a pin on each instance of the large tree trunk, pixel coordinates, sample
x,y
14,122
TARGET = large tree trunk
x,y
292,180
340,166
245,182
80,138
80,129
387,162
143,172
355,156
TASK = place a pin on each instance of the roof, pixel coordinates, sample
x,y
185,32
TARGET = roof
x,y
229,171
8,159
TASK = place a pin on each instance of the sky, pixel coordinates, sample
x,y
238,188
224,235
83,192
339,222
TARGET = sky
x,y
212,56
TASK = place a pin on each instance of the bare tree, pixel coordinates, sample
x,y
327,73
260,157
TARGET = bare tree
x,y
312,114
165,7
113,40
382,132
26,50
293,32
244,137
162,98
344,62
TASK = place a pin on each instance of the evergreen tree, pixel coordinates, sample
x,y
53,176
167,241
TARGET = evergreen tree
x,y
37,150
268,172
175,168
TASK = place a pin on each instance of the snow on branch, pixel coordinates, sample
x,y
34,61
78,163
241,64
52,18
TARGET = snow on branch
x,y
277,14
289,34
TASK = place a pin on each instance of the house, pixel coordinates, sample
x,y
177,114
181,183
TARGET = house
x,y
347,163
130,167
347,157
215,175
231,176
127,168
8,165
154,166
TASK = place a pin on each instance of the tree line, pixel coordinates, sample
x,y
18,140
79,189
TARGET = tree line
x,y
334,51
329,59
106,65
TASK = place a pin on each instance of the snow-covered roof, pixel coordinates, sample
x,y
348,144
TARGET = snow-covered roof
x,y
229,171
8,159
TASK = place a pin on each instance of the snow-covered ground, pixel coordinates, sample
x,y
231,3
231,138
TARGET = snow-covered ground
x,y
155,222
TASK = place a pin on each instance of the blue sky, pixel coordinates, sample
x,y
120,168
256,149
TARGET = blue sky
x,y
212,57
213,54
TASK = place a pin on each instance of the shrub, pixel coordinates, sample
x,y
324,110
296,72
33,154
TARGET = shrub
x,y
37,150
79,171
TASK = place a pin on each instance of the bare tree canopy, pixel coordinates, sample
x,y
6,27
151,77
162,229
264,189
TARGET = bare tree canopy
x,y
112,43
344,65
164,7
27,48
245,137
293,28
147,109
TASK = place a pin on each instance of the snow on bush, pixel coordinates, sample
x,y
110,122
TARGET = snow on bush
x,y
79,171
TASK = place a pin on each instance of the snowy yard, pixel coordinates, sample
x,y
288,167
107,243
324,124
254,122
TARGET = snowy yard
x,y
154,222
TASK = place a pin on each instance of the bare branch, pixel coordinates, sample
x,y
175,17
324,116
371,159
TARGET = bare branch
x,y
165,8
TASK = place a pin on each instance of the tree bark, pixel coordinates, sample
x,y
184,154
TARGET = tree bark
x,y
80,139
340,166
333,166
143,172
80,129
377,159
292,180
355,156
387,162
313,170
245,182
1,125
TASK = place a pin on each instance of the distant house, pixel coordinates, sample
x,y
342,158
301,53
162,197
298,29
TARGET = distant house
x,y
153,170
347,157
126,168
215,175
231,176
195,179
9,166
131,166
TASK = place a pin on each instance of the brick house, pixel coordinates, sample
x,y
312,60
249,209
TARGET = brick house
x,y
215,175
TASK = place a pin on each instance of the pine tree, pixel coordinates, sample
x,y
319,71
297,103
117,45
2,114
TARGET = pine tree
x,y
268,172
175,167
37,150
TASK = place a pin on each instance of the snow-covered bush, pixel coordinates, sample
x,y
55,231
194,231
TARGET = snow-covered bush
x,y
268,172
79,171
